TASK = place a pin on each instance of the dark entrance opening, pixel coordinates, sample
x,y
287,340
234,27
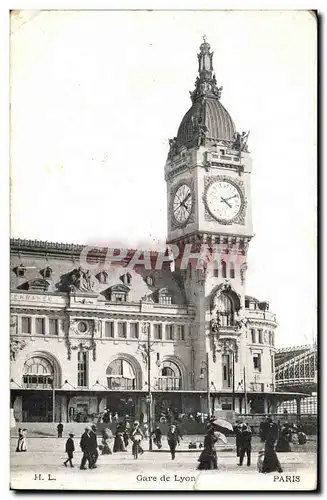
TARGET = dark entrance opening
x,y
37,407
123,404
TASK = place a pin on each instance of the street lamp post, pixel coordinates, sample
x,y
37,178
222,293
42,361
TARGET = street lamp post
x,y
206,369
146,350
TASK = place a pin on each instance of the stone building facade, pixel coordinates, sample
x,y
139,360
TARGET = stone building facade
x,y
87,335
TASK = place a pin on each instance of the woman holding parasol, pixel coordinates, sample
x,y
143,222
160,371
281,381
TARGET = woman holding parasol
x,y
208,457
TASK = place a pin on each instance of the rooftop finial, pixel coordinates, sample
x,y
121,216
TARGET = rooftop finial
x,y
206,83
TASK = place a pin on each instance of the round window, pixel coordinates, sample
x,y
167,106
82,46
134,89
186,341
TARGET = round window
x,y
82,327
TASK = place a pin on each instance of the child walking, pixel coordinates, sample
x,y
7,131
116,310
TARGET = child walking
x,y
70,448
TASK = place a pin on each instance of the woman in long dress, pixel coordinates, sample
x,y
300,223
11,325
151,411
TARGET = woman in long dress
x,y
270,461
119,440
208,457
21,443
106,435
283,443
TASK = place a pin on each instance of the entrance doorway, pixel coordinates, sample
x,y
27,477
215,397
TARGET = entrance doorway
x,y
122,405
37,407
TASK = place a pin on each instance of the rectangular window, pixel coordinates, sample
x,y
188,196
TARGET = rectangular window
x,y
26,324
39,326
272,338
53,326
109,330
257,362
227,375
232,270
169,332
81,369
180,332
253,336
272,363
216,273
122,330
260,337
157,332
134,330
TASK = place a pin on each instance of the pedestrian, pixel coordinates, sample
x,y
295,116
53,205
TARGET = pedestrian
x,y
60,429
157,436
208,457
85,447
245,444
263,431
136,437
145,430
105,418
283,443
106,450
116,418
141,418
21,443
270,461
173,438
237,430
70,448
261,456
127,429
93,447
302,437
119,440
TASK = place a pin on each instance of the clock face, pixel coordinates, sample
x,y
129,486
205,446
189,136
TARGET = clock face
x,y
182,203
224,200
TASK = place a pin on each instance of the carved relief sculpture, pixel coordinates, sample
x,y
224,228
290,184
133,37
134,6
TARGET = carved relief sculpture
x,y
80,280
15,346
225,346
13,324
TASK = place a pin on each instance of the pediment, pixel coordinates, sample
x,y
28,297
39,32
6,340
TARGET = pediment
x,y
35,284
119,288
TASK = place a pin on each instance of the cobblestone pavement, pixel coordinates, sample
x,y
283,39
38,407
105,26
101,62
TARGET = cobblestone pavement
x,y
41,467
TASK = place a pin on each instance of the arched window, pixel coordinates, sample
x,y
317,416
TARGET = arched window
x,y
225,310
170,377
38,373
121,375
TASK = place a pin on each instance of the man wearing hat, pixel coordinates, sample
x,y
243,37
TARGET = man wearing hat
x,y
245,444
70,448
173,438
85,447
93,448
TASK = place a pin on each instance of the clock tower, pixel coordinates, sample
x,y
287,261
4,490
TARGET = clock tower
x,y
208,173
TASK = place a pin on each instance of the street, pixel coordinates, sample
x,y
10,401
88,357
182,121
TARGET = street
x,y
41,467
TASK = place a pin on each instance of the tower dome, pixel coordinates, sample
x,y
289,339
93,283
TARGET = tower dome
x,y
207,121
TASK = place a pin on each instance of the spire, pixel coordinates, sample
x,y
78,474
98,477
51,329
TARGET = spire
x,y
205,60
206,83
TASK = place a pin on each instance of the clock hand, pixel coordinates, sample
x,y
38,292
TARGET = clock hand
x,y
231,197
225,201
186,198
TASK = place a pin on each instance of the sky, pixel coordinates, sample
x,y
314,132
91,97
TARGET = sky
x,y
95,96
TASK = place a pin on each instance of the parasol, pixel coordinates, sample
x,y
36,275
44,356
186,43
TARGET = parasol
x,y
221,436
221,425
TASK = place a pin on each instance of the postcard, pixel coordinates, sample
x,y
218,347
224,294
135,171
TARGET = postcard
x,y
163,288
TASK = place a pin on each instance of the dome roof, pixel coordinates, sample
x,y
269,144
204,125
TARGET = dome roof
x,y
207,121
216,119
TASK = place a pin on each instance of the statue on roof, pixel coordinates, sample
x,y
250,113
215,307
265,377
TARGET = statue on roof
x,y
80,280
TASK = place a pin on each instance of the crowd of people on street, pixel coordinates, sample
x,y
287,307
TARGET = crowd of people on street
x,y
276,437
